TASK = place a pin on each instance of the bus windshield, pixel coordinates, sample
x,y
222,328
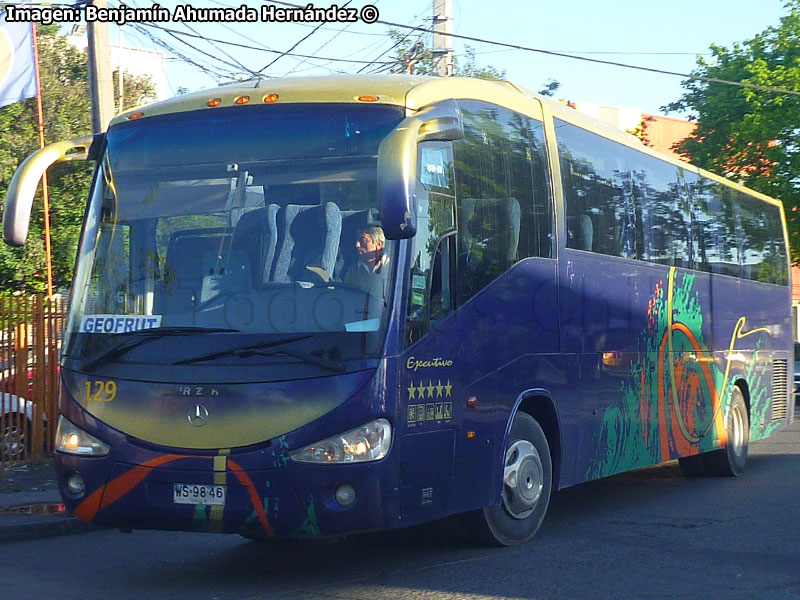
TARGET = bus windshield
x,y
246,225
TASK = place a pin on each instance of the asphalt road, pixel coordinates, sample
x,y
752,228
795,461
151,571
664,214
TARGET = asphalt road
x,y
648,534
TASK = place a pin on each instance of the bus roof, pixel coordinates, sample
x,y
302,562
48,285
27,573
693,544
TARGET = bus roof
x,y
409,91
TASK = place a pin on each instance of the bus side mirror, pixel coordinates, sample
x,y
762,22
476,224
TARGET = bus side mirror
x,y
22,189
397,164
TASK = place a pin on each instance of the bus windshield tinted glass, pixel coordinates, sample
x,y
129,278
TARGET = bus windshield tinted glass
x,y
250,223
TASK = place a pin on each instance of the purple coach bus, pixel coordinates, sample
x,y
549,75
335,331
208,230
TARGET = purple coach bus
x,y
316,306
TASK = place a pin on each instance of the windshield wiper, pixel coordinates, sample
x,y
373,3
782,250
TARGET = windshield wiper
x,y
272,348
132,339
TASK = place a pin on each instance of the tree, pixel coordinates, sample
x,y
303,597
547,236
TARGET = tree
x,y
412,55
550,87
746,134
66,107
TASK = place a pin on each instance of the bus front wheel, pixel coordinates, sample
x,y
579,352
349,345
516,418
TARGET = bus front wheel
x,y
730,460
527,483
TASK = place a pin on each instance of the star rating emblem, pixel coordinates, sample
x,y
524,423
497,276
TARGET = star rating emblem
x,y
431,390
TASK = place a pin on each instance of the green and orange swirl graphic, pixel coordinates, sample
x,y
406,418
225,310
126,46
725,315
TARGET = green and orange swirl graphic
x,y
672,404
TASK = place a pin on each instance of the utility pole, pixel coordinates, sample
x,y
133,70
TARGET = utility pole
x,y
442,41
121,71
101,88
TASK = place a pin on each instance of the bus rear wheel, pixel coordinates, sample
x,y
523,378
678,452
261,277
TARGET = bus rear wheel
x,y
730,460
527,483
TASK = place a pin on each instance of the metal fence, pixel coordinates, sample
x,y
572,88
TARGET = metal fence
x,y
31,329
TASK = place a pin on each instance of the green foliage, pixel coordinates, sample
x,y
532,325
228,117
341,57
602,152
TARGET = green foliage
x,y
414,54
746,134
66,109
550,87
471,68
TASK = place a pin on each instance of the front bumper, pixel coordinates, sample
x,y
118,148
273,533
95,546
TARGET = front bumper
x,y
285,500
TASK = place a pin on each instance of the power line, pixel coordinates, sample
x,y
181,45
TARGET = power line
x,y
394,45
325,44
298,42
237,32
604,62
190,28
216,72
583,58
632,53
258,49
608,52
397,43
262,46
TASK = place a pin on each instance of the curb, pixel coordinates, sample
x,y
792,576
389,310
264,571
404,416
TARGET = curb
x,y
44,527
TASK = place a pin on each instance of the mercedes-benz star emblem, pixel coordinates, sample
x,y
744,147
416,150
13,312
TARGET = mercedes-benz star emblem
x,y
198,416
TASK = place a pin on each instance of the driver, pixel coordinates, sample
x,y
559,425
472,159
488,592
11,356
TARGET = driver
x,y
370,270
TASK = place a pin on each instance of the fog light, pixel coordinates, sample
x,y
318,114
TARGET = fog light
x,y
75,484
345,494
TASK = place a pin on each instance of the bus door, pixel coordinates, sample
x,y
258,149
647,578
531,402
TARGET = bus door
x,y
429,384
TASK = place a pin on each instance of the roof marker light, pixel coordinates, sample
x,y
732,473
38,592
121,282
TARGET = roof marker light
x,y
242,100
136,115
367,98
214,102
270,98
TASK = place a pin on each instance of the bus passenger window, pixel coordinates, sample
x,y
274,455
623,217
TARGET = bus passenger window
x,y
598,193
504,206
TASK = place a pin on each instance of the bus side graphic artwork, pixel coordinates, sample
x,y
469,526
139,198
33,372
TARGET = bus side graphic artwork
x,y
673,403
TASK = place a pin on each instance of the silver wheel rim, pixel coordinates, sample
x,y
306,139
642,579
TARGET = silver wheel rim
x,y
523,479
736,434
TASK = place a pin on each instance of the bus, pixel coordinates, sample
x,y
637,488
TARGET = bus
x,y
556,303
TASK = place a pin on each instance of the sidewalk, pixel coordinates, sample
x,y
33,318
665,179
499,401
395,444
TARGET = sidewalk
x,y
30,505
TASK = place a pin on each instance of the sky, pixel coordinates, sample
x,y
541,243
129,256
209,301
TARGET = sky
x,y
659,35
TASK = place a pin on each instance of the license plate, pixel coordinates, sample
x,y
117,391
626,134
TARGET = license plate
x,y
191,493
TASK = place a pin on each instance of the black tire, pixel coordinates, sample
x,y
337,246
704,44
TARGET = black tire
x,y
730,460
693,466
527,484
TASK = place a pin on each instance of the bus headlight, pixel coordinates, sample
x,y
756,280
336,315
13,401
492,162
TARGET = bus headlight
x,y
71,440
362,444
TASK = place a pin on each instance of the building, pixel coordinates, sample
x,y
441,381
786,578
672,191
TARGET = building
x,y
662,132
136,61
657,131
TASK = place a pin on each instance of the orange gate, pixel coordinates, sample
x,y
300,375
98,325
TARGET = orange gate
x,y
31,329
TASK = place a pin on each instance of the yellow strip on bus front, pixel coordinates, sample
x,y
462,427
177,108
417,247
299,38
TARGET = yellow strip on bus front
x,y
217,510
